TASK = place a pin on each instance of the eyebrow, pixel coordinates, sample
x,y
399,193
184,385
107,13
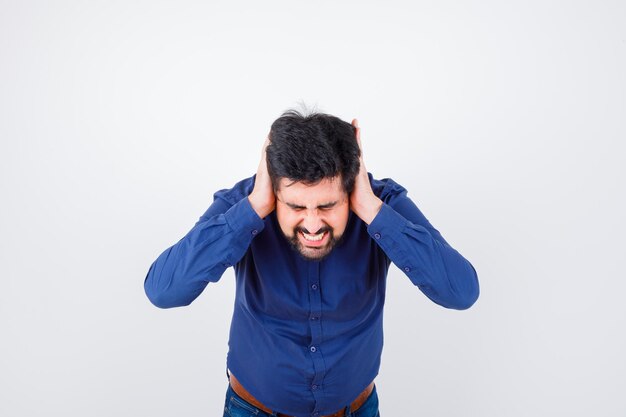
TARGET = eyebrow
x,y
321,206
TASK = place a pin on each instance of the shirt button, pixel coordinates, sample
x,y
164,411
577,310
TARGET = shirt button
x,y
377,235
313,387
407,269
254,232
313,318
314,286
313,348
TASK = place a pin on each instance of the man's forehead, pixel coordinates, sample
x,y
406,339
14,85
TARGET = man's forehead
x,y
328,182
326,191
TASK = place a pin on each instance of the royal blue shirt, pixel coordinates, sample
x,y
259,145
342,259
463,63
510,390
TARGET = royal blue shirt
x,y
306,337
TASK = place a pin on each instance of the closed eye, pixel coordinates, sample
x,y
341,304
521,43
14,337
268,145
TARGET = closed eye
x,y
327,206
295,207
324,207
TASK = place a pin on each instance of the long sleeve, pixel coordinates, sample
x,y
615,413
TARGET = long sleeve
x,y
419,250
217,241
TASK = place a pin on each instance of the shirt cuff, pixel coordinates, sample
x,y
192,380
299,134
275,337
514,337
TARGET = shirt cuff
x,y
241,217
387,222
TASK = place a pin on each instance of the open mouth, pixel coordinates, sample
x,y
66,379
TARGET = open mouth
x,y
314,240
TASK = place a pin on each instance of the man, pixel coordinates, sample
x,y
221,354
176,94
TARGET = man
x,y
311,237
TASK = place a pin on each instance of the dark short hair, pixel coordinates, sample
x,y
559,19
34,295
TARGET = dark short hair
x,y
308,148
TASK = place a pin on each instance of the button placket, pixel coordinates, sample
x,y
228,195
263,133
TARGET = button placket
x,y
315,315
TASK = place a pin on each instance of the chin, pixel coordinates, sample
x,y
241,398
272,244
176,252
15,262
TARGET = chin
x,y
310,253
314,253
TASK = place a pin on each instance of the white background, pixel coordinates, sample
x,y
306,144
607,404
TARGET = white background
x,y
504,120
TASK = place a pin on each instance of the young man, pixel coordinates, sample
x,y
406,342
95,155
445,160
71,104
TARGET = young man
x,y
311,237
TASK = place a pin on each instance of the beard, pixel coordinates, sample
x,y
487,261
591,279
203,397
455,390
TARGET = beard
x,y
313,253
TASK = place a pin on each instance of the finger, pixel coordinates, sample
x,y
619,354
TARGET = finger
x,y
355,123
263,162
357,133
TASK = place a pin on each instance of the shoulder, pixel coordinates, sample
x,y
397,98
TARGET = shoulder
x,y
237,192
386,188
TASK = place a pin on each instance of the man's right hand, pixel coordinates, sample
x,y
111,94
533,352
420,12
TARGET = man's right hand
x,y
262,198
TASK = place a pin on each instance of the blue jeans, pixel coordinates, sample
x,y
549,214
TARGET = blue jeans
x,y
235,406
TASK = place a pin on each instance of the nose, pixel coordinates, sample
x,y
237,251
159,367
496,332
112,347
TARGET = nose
x,y
312,223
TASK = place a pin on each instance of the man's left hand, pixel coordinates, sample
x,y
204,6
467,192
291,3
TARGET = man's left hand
x,y
363,201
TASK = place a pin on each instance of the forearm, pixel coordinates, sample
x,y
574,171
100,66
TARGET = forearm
x,y
440,272
180,274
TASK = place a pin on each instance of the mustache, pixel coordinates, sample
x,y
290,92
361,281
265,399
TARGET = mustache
x,y
321,230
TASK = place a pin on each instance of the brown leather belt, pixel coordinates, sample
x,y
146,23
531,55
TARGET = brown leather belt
x,y
243,393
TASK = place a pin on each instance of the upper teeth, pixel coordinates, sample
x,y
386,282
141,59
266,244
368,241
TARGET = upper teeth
x,y
313,237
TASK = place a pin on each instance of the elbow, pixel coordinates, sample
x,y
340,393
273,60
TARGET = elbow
x,y
470,293
148,288
163,300
158,296
157,299
459,293
467,299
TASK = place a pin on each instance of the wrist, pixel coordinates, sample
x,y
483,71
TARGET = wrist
x,y
262,208
368,210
